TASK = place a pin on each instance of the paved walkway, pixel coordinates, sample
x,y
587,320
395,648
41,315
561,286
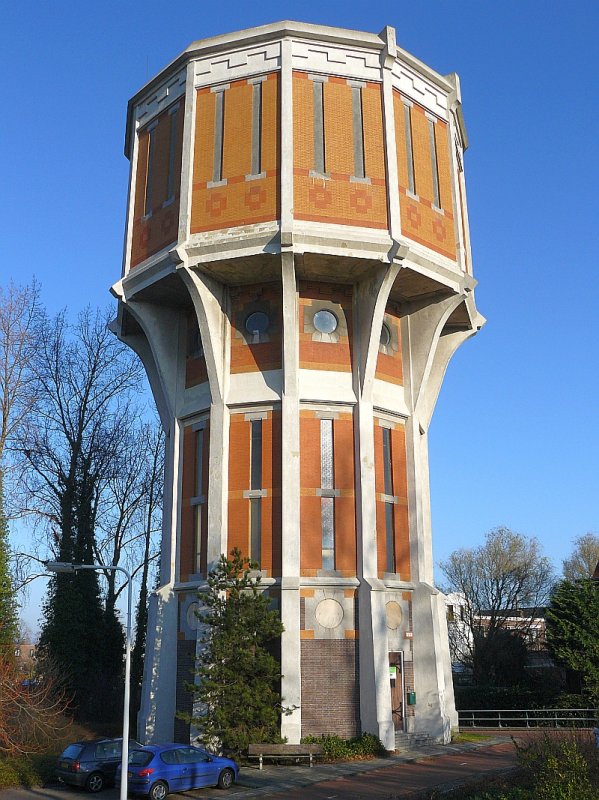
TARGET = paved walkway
x,y
398,776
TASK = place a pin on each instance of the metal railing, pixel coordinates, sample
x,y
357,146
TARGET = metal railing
x,y
528,718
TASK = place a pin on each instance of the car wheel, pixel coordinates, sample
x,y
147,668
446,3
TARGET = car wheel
x,y
225,779
95,782
158,791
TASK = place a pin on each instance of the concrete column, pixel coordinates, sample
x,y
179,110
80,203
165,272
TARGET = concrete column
x,y
156,719
290,514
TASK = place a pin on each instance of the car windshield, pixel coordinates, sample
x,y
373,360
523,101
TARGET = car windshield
x,y
139,758
72,751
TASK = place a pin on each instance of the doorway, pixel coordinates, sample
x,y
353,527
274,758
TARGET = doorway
x,y
396,679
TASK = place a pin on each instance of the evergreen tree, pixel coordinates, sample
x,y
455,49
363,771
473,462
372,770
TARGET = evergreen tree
x,y
238,694
9,623
573,630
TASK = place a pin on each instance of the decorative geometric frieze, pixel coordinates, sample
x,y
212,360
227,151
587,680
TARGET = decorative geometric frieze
x,y
237,64
334,59
419,89
161,97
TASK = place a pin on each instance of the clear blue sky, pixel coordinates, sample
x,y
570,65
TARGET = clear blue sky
x,y
514,440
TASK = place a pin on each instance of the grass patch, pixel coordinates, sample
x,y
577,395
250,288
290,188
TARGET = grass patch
x,y
466,736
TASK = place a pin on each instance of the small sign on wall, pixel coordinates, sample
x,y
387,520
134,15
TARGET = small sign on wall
x,y
392,672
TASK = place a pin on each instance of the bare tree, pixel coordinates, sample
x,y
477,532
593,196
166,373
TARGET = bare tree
x,y
32,713
584,558
497,580
19,317
84,381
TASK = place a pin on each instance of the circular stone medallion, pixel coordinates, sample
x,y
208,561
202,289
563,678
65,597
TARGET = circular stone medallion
x,y
329,613
394,615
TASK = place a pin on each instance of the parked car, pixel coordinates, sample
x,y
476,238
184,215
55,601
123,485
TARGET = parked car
x,y
157,770
91,764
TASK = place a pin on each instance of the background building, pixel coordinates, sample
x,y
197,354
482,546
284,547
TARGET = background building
x,y
297,275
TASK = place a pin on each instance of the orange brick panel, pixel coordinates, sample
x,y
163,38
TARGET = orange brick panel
x,y
153,234
186,545
381,538
240,202
400,140
340,202
267,535
203,160
389,366
374,146
443,164
310,454
270,124
345,534
398,455
237,142
338,128
310,534
239,525
239,453
303,122
274,469
255,357
196,372
343,449
379,474
427,227
160,162
142,169
402,541
423,172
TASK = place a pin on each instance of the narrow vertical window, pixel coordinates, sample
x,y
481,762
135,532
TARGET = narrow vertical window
x,y
219,118
170,175
199,500
256,490
389,502
257,128
407,112
150,171
358,126
319,151
434,163
327,482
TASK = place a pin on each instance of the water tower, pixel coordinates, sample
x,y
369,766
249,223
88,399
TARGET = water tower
x,y
297,275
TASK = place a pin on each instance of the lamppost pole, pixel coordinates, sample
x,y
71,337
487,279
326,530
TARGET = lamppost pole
x,y
65,566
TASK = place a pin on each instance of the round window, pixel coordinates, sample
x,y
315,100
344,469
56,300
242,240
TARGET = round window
x,y
385,335
257,323
325,321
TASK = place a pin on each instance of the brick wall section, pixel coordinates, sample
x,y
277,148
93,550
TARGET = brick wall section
x,y
336,199
183,698
188,490
345,503
408,670
239,481
196,371
389,365
326,355
247,356
310,514
152,233
400,509
239,201
330,687
419,220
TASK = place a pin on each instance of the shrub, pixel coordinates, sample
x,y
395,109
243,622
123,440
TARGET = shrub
x,y
335,748
561,767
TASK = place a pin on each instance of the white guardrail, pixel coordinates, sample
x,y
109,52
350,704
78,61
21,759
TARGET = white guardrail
x,y
529,718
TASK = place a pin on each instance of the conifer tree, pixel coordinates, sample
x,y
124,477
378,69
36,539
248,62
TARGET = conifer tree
x,y
238,698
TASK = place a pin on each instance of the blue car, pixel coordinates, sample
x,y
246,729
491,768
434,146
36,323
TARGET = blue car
x,y
157,770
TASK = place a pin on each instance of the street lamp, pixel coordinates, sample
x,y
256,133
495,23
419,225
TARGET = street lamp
x,y
65,566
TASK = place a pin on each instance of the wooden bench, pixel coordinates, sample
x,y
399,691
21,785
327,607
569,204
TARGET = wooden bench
x,y
276,751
